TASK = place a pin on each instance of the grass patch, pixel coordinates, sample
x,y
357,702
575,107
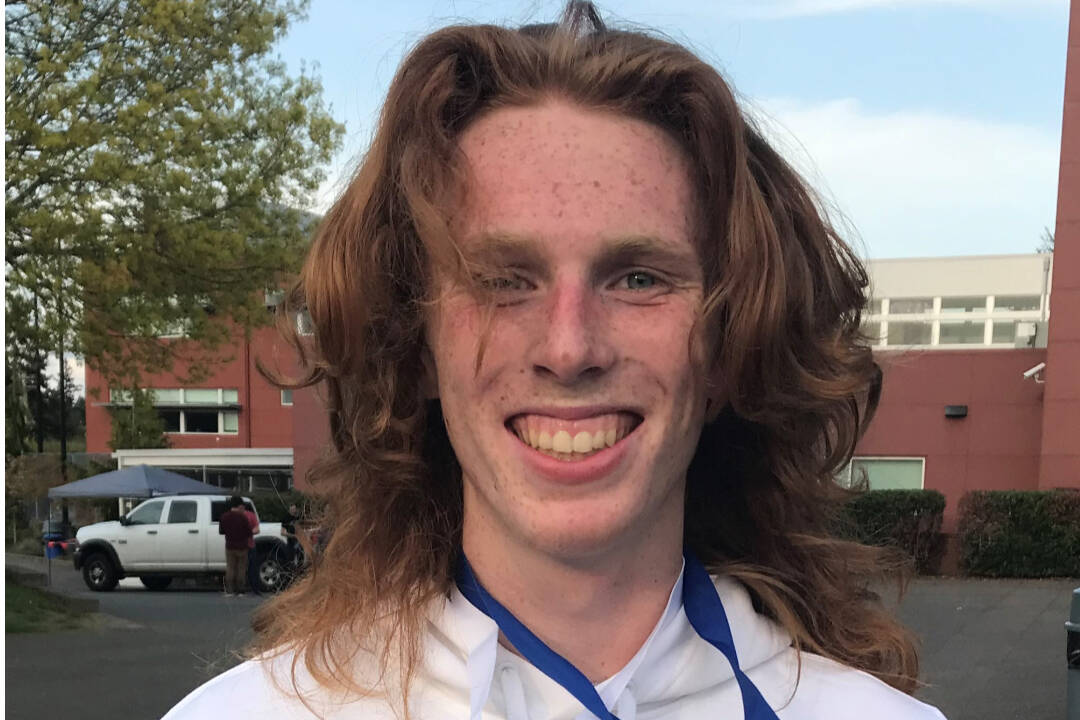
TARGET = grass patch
x,y
29,610
26,545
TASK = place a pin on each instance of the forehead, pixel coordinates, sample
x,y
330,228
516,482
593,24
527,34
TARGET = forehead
x,y
563,174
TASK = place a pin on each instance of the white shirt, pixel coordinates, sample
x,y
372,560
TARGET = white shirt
x,y
675,675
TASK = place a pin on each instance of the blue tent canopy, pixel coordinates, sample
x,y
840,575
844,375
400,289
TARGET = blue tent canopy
x,y
131,482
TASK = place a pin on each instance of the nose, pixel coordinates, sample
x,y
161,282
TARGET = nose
x,y
572,343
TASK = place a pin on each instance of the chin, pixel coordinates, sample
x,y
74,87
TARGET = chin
x,y
580,531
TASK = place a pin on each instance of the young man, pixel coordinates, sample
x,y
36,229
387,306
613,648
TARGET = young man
x,y
593,361
236,527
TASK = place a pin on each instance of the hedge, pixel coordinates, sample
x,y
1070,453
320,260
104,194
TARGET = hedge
x,y
907,519
1017,533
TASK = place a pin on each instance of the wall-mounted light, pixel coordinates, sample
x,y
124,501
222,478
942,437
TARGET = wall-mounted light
x,y
956,411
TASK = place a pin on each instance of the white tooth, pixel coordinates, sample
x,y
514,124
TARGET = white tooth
x,y
609,437
532,436
598,441
583,442
543,441
562,442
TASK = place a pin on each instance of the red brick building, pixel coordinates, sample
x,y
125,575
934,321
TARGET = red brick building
x,y
233,429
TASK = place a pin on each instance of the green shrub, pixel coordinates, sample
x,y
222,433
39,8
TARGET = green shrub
x,y
1017,533
906,519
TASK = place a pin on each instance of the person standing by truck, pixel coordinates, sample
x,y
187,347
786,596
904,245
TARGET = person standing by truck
x,y
252,571
236,528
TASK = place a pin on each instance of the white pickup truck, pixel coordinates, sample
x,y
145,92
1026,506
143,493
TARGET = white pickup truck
x,y
171,536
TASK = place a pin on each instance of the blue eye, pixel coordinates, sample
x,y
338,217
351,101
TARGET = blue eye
x,y
639,280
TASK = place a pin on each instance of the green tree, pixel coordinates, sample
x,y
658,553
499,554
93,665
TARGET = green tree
x,y
156,160
137,425
18,425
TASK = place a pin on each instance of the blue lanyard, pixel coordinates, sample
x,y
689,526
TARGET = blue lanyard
x,y
703,608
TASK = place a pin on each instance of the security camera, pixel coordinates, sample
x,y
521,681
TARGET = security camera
x,y
1034,372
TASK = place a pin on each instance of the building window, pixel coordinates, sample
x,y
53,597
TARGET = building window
x,y
286,397
910,333
1004,332
961,333
200,421
871,330
201,396
304,326
191,410
181,396
274,298
971,304
1016,303
873,306
910,306
883,473
171,418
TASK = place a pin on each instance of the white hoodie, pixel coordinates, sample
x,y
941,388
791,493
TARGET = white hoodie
x,y
675,675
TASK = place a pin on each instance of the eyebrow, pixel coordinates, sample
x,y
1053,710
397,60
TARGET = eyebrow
x,y
508,249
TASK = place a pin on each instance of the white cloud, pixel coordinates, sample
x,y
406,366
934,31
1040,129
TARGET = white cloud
x,y
772,9
922,183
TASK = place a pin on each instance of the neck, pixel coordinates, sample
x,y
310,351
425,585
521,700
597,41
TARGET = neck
x,y
597,611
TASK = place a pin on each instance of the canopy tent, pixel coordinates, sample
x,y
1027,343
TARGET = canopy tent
x,y
135,481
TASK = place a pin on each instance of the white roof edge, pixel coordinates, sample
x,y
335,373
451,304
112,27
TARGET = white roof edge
x,y
959,258
208,457
184,452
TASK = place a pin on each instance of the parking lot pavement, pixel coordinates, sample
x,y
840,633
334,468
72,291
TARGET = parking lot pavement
x,y
148,652
992,649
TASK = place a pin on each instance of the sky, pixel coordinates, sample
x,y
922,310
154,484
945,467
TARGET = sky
x,y
928,127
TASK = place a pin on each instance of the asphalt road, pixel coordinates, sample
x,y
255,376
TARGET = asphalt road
x,y
148,650
992,649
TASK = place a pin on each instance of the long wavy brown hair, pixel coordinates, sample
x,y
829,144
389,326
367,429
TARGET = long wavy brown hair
x,y
783,301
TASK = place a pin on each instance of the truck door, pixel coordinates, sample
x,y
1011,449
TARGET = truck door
x,y
137,542
215,541
182,537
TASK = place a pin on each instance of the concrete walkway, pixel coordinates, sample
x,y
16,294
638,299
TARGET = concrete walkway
x,y
992,649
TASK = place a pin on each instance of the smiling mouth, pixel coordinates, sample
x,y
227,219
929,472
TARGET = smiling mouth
x,y
571,440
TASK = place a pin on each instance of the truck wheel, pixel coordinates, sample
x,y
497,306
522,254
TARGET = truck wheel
x,y
269,571
99,574
155,582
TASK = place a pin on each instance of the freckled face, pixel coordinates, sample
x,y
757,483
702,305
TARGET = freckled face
x,y
575,434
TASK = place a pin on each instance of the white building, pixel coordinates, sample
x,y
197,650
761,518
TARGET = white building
x,y
991,301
